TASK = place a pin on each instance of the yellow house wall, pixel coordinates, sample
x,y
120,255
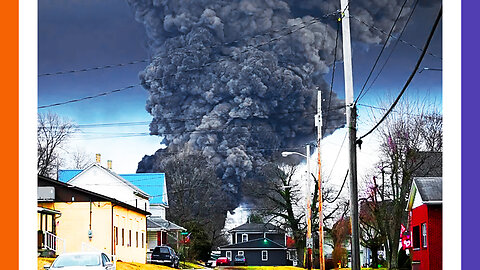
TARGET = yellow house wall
x,y
74,223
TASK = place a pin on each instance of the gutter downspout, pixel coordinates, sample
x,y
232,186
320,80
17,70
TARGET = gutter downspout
x,y
113,235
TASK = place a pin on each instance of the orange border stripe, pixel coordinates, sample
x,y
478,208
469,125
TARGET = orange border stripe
x,y
9,53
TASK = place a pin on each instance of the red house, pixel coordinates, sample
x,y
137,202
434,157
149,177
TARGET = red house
x,y
425,223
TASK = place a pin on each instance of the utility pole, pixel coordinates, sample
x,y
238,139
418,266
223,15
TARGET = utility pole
x,y
309,241
318,122
352,132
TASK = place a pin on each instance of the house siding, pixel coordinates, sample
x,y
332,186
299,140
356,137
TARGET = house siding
x,y
434,236
429,258
74,223
254,257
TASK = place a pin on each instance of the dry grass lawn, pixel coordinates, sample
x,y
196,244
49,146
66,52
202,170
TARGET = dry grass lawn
x,y
120,265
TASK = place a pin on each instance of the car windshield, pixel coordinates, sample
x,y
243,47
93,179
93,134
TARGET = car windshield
x,y
163,250
77,260
240,257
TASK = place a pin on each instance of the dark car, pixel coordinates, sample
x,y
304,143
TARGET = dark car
x,y
165,255
239,260
223,261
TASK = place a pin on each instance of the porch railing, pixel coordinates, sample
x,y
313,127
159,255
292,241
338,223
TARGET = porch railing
x,y
53,242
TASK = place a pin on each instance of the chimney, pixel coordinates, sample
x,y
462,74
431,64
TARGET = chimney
x,y
98,158
109,164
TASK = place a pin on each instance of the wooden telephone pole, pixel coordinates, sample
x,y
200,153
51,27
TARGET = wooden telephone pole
x,y
352,132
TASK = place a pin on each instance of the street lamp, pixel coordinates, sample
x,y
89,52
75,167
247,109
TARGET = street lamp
x,y
309,241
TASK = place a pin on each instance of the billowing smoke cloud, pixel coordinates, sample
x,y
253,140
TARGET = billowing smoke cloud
x,y
237,80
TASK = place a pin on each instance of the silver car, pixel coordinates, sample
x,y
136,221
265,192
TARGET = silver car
x,y
82,260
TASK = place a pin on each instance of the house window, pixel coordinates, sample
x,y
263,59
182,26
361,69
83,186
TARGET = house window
x,y
264,255
244,237
424,235
116,235
143,241
240,253
416,237
129,238
229,255
136,239
123,237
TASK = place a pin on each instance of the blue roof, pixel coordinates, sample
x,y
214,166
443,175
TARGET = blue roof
x,y
151,183
65,175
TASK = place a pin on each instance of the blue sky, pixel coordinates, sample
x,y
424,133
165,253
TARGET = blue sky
x,y
83,34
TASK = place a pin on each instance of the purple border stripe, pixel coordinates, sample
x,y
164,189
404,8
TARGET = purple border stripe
x,y
470,126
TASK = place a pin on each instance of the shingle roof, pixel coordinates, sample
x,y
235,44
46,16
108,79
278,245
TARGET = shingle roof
x,y
151,183
157,224
430,188
256,227
263,243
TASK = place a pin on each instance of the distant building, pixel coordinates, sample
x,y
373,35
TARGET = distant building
x,y
261,243
72,219
144,190
425,215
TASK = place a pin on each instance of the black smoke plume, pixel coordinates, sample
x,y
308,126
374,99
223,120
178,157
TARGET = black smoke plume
x,y
237,80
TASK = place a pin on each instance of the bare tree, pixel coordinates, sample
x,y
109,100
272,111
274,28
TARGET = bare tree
x,y
277,195
80,159
405,137
52,134
197,199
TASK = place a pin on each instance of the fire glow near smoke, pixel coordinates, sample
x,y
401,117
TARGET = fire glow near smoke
x,y
237,80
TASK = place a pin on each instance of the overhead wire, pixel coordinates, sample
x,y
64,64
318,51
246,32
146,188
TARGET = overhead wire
x,y
381,51
324,127
93,68
425,48
401,40
392,50
246,49
340,191
274,31
89,97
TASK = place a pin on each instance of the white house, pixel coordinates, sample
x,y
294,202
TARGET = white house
x,y
101,180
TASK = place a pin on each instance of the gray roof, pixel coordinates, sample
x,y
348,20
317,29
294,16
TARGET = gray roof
x,y
256,227
262,243
159,224
430,188
429,164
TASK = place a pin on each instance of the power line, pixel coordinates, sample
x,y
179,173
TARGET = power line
x,y
338,154
391,51
89,97
246,49
381,51
177,53
341,188
333,74
401,40
425,47
93,68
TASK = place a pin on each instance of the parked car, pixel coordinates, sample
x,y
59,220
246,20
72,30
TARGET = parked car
x,y
165,255
223,261
212,262
82,260
239,260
